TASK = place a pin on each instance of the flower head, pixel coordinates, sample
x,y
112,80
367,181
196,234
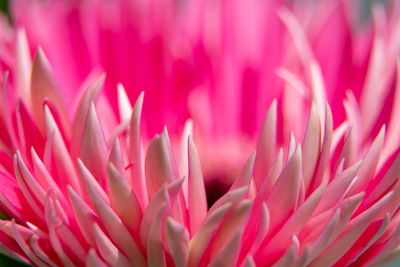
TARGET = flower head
x,y
84,184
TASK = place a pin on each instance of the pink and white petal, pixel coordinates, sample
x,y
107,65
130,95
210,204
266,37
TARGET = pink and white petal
x,y
280,241
270,179
155,250
43,85
108,251
323,161
124,105
338,188
135,155
393,133
350,234
197,207
390,176
90,182
84,215
198,243
370,162
120,194
280,206
38,250
116,230
311,146
183,161
263,228
247,173
23,66
65,165
33,203
53,237
30,180
86,99
116,157
94,151
231,224
159,164
43,177
93,260
228,255
289,258
177,241
25,247
266,145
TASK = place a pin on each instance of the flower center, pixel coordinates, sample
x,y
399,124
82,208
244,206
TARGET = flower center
x,y
216,186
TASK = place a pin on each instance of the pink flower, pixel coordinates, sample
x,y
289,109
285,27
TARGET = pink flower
x,y
82,185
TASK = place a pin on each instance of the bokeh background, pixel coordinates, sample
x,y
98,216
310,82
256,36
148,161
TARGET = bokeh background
x,y
364,15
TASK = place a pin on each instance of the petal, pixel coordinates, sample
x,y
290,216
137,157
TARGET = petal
x,y
266,145
338,188
23,66
155,250
124,105
323,162
84,215
159,164
247,173
108,250
370,162
120,194
93,260
135,155
228,255
25,247
196,191
233,223
350,234
183,163
198,243
116,157
177,240
43,85
94,151
88,97
293,226
65,166
117,231
281,205
311,146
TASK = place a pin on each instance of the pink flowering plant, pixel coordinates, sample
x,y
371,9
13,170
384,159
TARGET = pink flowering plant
x,y
200,133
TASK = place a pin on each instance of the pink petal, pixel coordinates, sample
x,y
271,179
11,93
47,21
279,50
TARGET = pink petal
x,y
311,145
108,250
43,85
196,192
117,231
93,260
280,206
159,164
94,151
135,155
88,97
177,238
266,145
350,234
198,243
155,250
120,194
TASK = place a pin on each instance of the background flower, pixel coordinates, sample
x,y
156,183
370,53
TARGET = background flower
x,y
196,60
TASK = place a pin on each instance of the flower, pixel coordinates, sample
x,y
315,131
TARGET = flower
x,y
195,59
82,185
